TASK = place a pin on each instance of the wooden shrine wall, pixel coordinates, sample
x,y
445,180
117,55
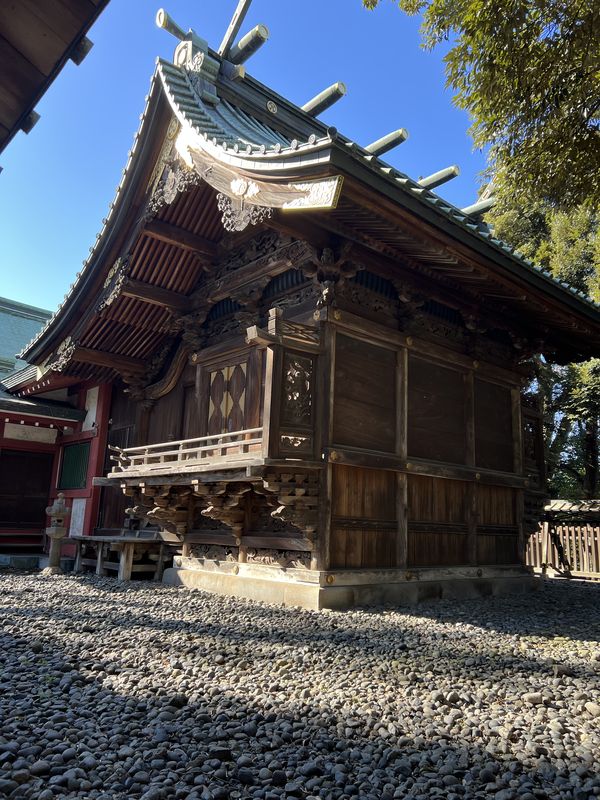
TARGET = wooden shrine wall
x,y
431,450
438,511
217,396
365,396
364,527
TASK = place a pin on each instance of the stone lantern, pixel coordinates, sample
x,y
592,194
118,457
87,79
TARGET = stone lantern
x,y
57,530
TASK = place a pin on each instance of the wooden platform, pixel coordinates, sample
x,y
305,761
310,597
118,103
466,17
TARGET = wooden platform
x,y
118,554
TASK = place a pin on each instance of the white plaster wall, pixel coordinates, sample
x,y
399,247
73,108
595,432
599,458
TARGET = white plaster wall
x,y
29,433
91,406
77,516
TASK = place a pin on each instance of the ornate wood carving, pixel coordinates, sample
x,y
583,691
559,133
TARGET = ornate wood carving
x,y
287,559
295,499
214,552
114,282
366,299
297,408
165,506
176,178
261,258
236,323
63,355
295,298
330,269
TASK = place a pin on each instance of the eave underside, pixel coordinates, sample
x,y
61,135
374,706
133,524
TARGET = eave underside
x,y
36,40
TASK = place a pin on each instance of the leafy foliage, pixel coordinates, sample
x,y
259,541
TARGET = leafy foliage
x,y
569,245
528,72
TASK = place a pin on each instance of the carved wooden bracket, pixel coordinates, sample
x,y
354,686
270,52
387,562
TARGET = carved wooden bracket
x,y
165,506
224,502
292,335
176,178
294,498
330,269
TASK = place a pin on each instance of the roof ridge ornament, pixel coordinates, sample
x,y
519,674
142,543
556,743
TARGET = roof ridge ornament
x,y
233,29
191,54
248,44
387,142
322,101
440,177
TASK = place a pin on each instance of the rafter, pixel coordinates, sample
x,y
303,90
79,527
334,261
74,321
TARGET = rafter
x,y
171,234
155,295
122,364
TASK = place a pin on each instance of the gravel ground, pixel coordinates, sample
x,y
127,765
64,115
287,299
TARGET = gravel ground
x,y
145,691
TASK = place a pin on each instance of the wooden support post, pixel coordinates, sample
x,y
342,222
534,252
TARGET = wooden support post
x,y
402,520
101,555
520,513
326,406
126,561
470,418
472,514
77,566
470,461
517,426
545,546
160,564
517,434
402,453
272,403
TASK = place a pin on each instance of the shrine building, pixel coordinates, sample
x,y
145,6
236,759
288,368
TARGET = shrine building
x,y
308,369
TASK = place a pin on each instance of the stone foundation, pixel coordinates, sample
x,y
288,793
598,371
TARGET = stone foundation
x,y
341,590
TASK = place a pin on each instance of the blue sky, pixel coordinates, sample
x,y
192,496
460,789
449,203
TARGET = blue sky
x,y
57,182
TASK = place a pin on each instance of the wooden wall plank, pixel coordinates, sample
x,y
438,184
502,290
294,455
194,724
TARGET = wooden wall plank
x,y
436,412
365,395
494,426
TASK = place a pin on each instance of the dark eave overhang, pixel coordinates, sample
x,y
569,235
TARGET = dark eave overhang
x,y
23,83
378,178
39,408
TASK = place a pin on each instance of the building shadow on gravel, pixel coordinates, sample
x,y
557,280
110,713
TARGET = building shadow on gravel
x,y
172,745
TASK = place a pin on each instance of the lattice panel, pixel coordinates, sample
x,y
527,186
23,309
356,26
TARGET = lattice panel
x,y
227,399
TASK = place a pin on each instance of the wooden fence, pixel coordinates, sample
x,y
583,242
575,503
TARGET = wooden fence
x,y
568,540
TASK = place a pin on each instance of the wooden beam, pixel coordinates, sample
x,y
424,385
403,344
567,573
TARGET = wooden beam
x,y
155,295
122,364
164,232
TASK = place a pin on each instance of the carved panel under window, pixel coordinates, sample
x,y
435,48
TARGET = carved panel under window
x,y
296,443
297,390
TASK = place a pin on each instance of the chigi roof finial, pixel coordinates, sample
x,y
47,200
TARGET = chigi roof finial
x,y
234,27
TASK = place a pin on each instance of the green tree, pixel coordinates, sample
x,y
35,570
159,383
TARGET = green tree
x,y
528,72
568,243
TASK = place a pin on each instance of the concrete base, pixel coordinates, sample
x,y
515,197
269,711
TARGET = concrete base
x,y
20,561
354,588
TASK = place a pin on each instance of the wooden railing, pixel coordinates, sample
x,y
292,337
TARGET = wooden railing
x,y
566,547
186,454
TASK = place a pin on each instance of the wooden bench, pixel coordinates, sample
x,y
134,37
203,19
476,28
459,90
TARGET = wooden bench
x,y
127,546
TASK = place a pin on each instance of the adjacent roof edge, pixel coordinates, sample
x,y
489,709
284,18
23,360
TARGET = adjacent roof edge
x,y
39,408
